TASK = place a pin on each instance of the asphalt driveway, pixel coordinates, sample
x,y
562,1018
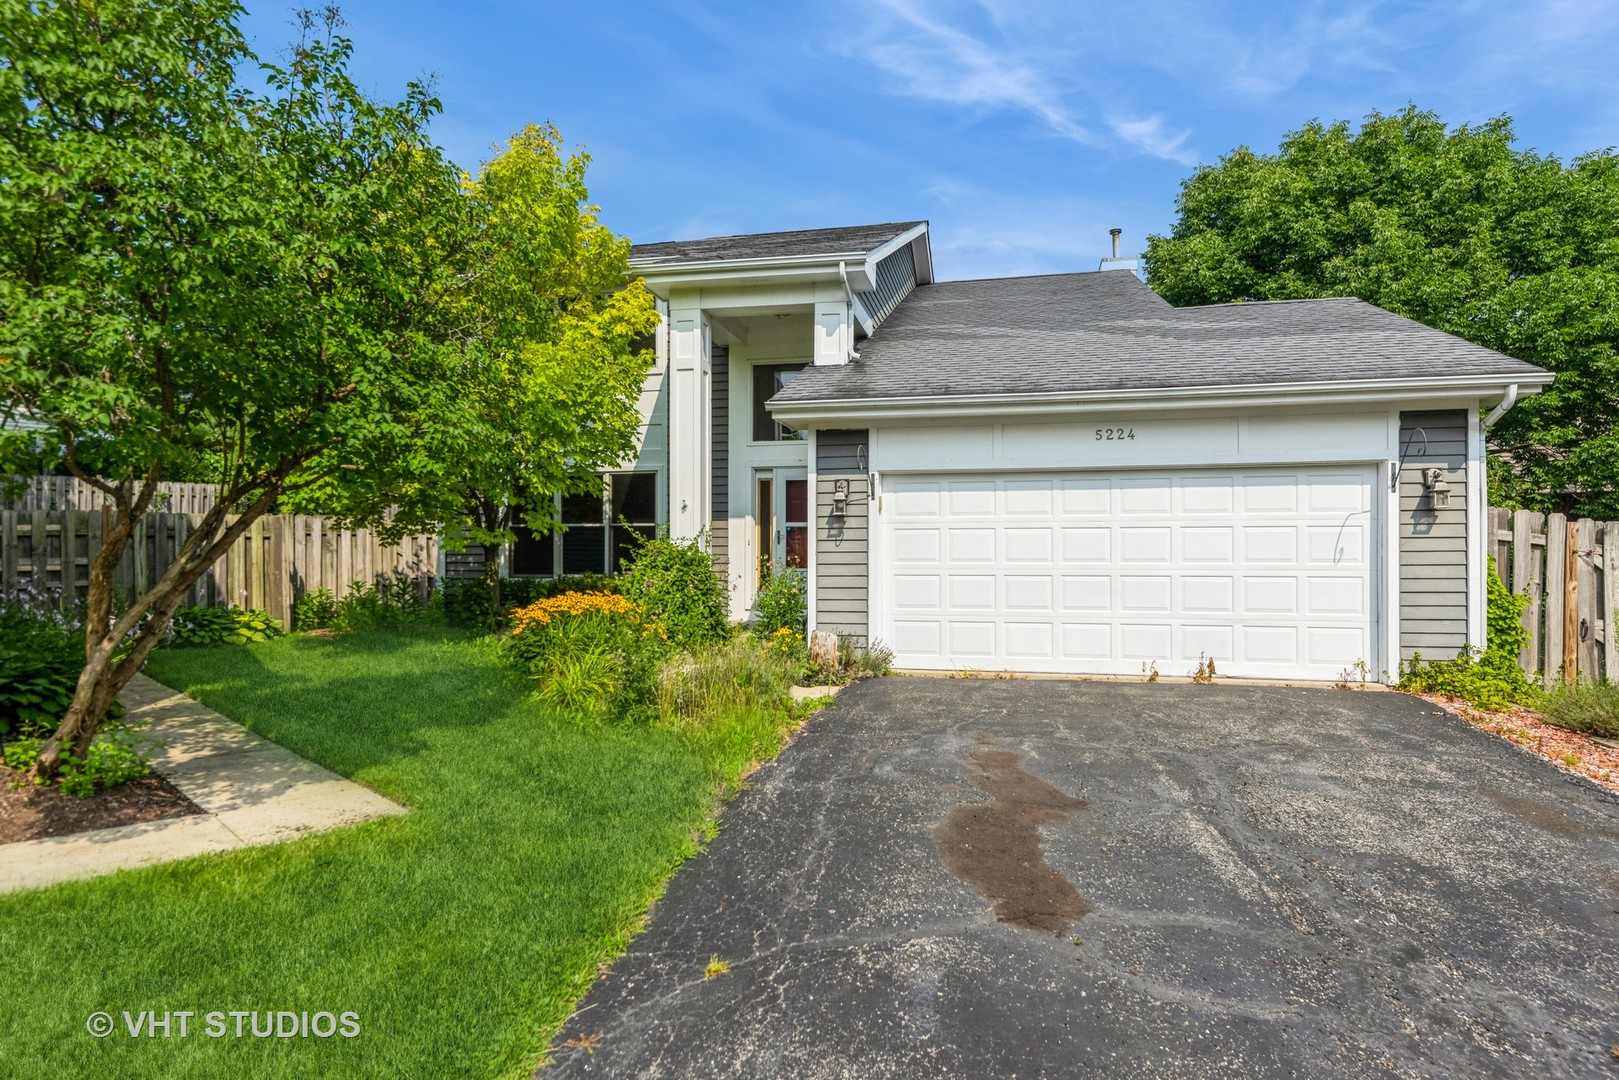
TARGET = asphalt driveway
x,y
1048,878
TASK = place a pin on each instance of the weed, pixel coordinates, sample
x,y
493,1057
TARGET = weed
x,y
1205,670
1358,672
1571,759
1149,672
716,966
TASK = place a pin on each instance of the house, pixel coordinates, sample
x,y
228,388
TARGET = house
x,y
1059,473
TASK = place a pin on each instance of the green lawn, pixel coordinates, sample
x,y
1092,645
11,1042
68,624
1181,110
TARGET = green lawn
x,y
462,933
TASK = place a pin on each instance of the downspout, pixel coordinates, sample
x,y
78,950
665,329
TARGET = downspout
x,y
848,314
1509,399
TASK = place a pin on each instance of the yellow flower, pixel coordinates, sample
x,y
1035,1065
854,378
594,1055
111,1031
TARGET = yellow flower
x,y
542,612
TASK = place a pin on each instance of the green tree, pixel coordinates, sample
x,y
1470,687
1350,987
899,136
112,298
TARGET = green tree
x,y
1457,228
192,269
557,334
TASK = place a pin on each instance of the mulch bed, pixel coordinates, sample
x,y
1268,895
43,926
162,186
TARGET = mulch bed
x,y
30,812
1568,750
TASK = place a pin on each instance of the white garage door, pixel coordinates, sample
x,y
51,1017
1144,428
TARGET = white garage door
x,y
1266,571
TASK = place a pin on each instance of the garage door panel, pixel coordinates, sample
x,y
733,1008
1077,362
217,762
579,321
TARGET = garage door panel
x,y
916,545
969,592
1211,495
1145,545
1031,640
1087,545
919,591
1024,497
1145,594
1087,641
1270,644
1209,595
1207,642
972,498
1266,571
974,639
970,545
1029,592
1144,496
914,500
1089,498
1208,544
1087,593
1343,545
1146,641
1028,545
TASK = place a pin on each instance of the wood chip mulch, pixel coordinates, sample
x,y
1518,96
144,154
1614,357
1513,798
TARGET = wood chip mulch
x,y
31,812
1568,750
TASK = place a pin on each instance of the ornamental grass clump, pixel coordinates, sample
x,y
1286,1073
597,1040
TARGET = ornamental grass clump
x,y
743,673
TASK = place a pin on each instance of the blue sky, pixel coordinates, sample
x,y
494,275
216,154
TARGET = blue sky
x,y
1022,131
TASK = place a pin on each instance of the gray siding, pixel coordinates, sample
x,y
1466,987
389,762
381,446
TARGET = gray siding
x,y
840,542
1433,540
720,467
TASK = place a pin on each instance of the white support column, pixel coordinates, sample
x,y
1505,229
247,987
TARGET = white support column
x,y
690,453
834,324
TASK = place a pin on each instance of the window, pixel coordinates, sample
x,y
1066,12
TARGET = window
x,y
601,529
767,379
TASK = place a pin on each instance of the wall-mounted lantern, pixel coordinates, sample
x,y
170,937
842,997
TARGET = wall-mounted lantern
x,y
840,498
1433,482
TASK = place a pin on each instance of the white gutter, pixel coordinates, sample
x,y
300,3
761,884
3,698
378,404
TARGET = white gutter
x,y
1508,400
804,413
848,293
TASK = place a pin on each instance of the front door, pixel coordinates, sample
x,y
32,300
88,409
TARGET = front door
x,y
780,520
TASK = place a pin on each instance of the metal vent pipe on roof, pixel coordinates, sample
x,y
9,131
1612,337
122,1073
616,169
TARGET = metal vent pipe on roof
x,y
1115,233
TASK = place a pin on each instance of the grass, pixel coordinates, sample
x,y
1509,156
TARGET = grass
x,y
1589,708
462,934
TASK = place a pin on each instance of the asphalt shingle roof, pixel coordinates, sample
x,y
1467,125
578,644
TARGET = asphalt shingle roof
x,y
1109,331
847,240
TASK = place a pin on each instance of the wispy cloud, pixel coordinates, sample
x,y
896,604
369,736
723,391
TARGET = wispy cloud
x,y
930,57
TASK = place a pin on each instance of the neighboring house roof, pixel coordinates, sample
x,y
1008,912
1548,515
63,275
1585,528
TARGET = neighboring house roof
x,y
850,240
1107,331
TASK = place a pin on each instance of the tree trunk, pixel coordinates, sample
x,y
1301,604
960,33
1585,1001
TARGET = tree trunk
x,y
104,675
491,578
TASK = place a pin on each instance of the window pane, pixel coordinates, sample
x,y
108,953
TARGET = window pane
x,y
798,500
582,509
583,550
767,379
635,498
797,545
532,555
625,546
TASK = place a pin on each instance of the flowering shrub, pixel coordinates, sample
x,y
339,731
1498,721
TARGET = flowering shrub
x,y
582,645
674,582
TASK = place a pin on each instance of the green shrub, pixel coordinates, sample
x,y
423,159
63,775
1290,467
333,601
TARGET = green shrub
x,y
744,672
675,584
41,656
1490,679
111,759
388,602
198,625
781,602
315,611
1589,708
579,681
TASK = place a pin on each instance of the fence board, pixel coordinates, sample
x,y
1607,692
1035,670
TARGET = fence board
x,y
1583,622
277,561
1610,601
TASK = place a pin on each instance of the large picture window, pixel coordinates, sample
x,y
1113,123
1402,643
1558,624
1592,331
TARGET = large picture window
x,y
767,379
600,530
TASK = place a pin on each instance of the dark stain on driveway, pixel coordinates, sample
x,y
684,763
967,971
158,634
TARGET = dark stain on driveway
x,y
995,846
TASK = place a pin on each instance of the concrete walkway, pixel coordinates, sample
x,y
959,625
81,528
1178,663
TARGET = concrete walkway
x,y
251,791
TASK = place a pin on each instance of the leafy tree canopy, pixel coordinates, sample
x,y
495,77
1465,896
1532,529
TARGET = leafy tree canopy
x,y
1457,228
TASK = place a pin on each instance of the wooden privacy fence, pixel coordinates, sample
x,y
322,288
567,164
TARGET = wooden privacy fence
x,y
1570,572
71,493
279,559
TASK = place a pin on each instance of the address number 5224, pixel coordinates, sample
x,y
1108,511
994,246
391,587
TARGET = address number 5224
x,y
1113,434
